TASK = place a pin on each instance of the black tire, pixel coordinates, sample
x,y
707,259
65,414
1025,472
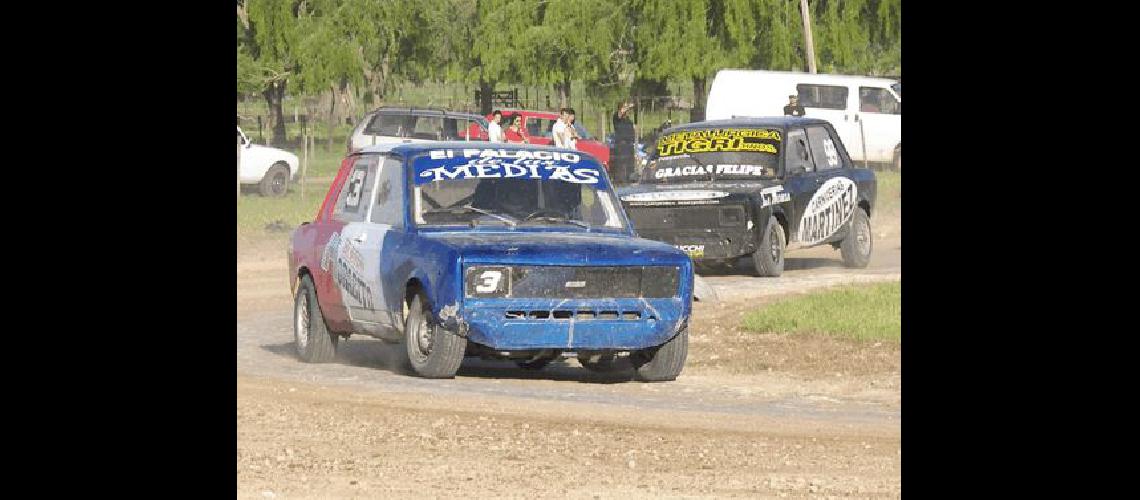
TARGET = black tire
x,y
769,255
664,362
432,351
311,337
276,181
856,247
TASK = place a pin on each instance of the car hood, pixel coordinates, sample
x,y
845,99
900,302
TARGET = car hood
x,y
275,151
550,248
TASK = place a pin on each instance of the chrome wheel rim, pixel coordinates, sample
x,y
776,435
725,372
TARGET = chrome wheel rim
x,y
775,246
423,338
863,238
301,322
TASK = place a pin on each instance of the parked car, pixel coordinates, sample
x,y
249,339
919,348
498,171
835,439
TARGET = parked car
x,y
866,112
269,168
404,124
519,252
537,128
757,187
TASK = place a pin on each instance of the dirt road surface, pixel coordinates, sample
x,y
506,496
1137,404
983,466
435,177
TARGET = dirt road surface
x,y
752,415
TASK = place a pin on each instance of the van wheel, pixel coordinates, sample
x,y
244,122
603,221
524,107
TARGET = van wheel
x,y
664,362
769,255
432,351
312,339
856,247
276,181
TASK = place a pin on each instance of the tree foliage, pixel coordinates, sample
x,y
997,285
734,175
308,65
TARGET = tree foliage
x,y
317,46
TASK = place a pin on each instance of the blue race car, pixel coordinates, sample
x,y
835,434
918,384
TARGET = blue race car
x,y
493,250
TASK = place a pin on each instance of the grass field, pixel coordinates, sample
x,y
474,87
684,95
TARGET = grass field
x,y
255,212
889,196
868,312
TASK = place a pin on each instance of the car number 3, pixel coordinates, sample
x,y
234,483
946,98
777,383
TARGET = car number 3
x,y
489,281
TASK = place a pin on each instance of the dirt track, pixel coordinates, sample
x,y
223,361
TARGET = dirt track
x,y
752,415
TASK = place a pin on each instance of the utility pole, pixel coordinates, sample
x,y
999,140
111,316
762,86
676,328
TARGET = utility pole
x,y
806,14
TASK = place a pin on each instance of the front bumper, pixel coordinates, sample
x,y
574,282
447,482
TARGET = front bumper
x,y
595,324
706,244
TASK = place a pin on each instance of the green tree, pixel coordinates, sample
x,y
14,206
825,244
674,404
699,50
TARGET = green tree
x,y
692,39
858,36
268,38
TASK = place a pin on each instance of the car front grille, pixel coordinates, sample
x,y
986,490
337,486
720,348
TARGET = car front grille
x,y
686,217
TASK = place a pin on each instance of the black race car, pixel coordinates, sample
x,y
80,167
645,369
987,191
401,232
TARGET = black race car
x,y
722,189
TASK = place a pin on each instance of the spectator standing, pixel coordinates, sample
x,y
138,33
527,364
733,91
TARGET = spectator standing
x,y
793,108
622,156
494,130
560,130
514,132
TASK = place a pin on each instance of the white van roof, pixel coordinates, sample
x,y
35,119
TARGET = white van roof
x,y
751,74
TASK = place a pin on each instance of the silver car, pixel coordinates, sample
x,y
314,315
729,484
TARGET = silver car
x,y
404,124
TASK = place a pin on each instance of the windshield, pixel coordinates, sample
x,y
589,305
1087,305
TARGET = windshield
x,y
715,154
898,89
512,188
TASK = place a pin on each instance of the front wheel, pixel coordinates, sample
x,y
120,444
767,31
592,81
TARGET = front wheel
x,y
313,341
856,247
432,351
276,181
664,362
769,256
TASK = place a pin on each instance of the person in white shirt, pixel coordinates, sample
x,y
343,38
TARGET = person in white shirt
x,y
494,130
561,129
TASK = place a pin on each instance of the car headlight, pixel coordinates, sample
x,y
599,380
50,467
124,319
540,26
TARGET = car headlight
x,y
487,281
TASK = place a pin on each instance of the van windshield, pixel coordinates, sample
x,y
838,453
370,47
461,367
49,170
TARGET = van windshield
x,y
715,154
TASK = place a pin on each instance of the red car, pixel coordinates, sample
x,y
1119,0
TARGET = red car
x,y
536,128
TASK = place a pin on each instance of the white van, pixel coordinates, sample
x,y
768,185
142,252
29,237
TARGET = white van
x,y
848,102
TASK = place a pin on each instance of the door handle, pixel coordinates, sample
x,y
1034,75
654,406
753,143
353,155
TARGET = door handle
x,y
845,117
361,238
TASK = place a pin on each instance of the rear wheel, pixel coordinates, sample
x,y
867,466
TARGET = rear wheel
x,y
276,181
432,351
769,255
856,247
664,362
312,339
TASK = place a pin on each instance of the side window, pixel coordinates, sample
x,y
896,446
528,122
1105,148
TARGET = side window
x,y
389,124
877,100
824,150
540,127
822,96
389,207
352,204
797,152
428,127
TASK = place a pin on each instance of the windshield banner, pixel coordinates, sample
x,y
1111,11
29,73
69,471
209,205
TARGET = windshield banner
x,y
475,163
747,140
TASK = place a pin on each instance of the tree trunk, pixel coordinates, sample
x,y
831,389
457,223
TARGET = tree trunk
x,y
332,120
697,113
273,97
485,89
563,93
